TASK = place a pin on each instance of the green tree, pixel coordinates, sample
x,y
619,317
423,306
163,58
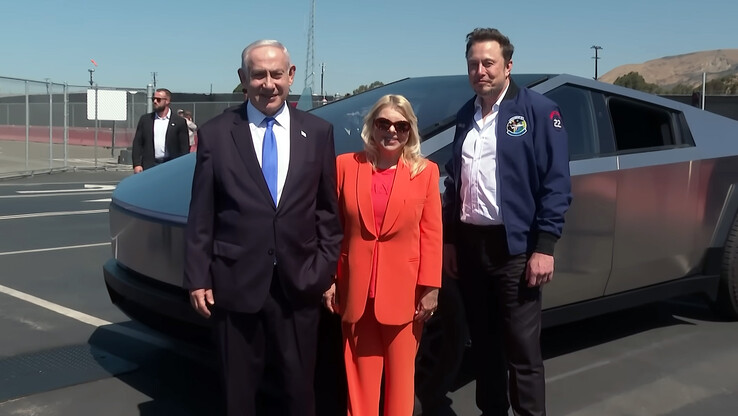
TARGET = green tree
x,y
682,89
363,88
721,86
635,81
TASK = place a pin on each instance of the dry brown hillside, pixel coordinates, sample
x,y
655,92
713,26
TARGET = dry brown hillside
x,y
685,69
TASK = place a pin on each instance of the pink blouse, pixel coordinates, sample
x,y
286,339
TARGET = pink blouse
x,y
382,181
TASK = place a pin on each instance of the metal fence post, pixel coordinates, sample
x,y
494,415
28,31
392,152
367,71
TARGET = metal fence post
x,y
149,96
97,125
28,125
66,121
51,125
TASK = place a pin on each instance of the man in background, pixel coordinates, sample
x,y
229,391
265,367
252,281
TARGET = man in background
x,y
160,135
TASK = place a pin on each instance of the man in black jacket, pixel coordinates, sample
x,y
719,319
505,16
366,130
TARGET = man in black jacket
x,y
160,136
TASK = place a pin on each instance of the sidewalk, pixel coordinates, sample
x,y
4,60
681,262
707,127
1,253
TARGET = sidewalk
x,y
13,160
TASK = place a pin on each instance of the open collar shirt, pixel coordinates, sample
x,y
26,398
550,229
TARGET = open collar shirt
x,y
160,134
480,183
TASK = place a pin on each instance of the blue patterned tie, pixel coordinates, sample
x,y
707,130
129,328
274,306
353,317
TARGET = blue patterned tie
x,y
269,159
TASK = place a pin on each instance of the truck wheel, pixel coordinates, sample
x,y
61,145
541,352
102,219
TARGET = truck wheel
x,y
441,349
727,299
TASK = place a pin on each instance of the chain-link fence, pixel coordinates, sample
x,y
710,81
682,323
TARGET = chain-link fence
x,y
47,126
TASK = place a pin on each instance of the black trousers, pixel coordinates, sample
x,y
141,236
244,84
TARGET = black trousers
x,y
271,352
504,318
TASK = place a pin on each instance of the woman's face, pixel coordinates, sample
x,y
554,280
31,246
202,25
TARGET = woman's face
x,y
390,132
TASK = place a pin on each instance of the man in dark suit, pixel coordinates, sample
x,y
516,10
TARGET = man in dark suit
x,y
160,136
263,235
506,195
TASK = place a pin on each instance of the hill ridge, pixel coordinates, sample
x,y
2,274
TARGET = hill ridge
x,y
685,68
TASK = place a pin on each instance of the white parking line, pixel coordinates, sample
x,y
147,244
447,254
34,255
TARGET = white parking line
x,y
62,310
41,250
87,188
52,214
15,185
620,357
160,342
577,371
53,195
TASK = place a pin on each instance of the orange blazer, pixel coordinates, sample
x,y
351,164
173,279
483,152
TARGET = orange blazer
x,y
409,245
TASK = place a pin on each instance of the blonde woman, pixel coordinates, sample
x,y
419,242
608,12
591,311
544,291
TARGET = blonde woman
x,y
389,270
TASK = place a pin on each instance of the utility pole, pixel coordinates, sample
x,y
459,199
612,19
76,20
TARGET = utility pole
x,y
596,57
91,70
322,77
153,77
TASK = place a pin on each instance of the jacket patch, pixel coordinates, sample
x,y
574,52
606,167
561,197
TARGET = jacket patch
x,y
555,117
516,126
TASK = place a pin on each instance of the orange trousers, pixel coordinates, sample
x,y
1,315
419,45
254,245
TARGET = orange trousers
x,y
371,348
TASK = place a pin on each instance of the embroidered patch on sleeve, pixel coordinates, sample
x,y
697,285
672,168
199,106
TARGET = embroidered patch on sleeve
x,y
555,117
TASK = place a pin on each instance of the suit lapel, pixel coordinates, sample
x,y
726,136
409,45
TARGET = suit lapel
x,y
396,201
168,140
298,149
364,194
241,135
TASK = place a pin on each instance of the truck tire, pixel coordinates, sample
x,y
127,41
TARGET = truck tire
x,y
727,299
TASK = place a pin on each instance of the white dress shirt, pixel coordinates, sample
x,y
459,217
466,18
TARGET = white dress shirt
x,y
160,134
281,131
480,182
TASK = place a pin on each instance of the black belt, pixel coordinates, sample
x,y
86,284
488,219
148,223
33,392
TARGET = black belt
x,y
161,159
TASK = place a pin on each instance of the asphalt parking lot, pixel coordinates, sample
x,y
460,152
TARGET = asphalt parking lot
x,y
66,350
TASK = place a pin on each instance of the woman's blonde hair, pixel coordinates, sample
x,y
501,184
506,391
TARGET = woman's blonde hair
x,y
411,156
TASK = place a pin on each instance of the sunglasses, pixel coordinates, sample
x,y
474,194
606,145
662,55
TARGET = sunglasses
x,y
384,125
158,98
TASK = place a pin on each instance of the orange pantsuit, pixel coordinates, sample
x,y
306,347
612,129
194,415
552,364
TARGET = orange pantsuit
x,y
379,333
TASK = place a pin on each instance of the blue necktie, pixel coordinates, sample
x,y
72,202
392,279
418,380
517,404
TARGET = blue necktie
x,y
269,159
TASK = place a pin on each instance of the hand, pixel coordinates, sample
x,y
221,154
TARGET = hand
x,y
200,299
450,265
330,300
539,270
138,169
427,305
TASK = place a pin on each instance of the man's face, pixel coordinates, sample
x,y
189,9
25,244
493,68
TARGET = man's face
x,y
269,79
160,100
488,72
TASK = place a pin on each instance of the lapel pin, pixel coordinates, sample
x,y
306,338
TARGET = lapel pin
x,y
303,134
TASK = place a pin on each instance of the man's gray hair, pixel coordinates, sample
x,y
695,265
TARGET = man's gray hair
x,y
258,44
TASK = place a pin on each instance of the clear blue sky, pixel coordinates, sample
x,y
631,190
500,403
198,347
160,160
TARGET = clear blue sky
x,y
193,44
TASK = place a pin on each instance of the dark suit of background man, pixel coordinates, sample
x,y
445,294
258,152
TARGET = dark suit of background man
x,y
262,246
160,136
506,195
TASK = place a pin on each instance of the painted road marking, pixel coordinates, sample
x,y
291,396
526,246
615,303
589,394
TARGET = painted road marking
x,y
52,214
87,188
81,192
41,250
160,342
62,310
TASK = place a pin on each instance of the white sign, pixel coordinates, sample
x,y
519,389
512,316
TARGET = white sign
x,y
112,105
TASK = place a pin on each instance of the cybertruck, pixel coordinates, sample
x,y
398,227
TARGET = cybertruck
x,y
653,214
